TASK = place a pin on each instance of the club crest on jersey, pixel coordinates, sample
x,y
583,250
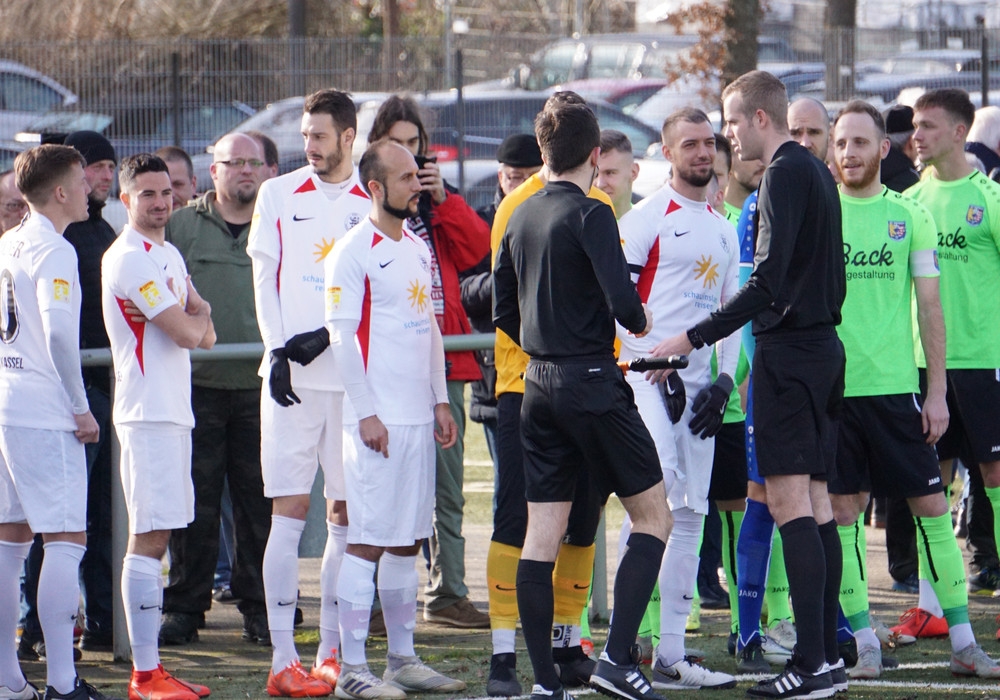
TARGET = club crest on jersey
x,y
897,230
60,290
707,272
974,216
418,296
352,220
425,264
151,293
724,242
333,298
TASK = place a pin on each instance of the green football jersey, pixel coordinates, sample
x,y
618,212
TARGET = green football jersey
x,y
732,213
888,240
967,217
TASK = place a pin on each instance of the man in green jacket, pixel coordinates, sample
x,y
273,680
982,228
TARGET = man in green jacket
x,y
211,234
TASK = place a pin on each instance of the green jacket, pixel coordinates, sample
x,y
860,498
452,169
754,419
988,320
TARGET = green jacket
x,y
220,270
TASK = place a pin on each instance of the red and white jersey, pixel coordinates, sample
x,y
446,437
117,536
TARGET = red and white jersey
x,y
385,285
296,222
38,275
152,372
684,258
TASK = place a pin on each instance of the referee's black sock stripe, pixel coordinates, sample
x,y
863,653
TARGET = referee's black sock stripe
x,y
857,548
731,550
923,541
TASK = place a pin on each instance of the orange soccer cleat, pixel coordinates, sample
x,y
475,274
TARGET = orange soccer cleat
x,y
293,682
328,671
917,622
160,685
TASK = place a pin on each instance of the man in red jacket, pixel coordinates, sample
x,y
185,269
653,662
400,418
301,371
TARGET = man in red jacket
x,y
458,240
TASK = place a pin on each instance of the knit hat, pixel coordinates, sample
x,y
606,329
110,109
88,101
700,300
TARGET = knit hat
x,y
92,146
520,151
899,120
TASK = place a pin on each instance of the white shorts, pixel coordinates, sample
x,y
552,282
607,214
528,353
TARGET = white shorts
x,y
390,502
156,476
294,441
685,458
43,480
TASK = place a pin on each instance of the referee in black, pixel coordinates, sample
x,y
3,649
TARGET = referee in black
x,y
559,283
793,297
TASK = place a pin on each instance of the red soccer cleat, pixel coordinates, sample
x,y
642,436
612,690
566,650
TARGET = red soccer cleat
x,y
160,685
293,682
328,671
920,623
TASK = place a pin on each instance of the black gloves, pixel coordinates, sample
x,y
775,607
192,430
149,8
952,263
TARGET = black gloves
x,y
674,396
280,380
306,347
710,405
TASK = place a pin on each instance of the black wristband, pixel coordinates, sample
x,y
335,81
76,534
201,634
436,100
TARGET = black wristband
x,y
694,336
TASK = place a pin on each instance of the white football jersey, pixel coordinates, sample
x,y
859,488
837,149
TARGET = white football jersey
x,y
385,285
295,226
152,372
38,274
684,259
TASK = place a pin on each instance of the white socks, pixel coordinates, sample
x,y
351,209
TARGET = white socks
x,y
928,599
12,556
356,592
503,641
678,574
58,605
281,584
142,593
397,589
329,619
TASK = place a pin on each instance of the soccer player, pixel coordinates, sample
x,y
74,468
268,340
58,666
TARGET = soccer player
x,y
794,297
152,406
45,418
886,436
683,256
965,206
388,345
297,220
559,280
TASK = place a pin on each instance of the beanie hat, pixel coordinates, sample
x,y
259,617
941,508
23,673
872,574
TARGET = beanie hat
x,y
92,146
899,120
520,151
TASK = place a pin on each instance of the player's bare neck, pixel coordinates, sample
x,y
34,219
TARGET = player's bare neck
x,y
340,175
155,235
952,167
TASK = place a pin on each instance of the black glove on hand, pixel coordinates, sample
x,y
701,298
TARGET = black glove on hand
x,y
306,347
674,396
709,407
280,380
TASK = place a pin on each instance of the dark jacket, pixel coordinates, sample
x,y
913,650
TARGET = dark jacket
x,y
91,238
898,172
477,300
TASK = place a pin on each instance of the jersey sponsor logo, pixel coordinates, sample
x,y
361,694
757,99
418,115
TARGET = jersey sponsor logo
x,y
323,248
352,220
952,240
333,298
974,216
151,293
417,294
897,230
12,362
706,271
60,290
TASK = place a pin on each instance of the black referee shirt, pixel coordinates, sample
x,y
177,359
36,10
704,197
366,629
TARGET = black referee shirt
x,y
560,278
799,280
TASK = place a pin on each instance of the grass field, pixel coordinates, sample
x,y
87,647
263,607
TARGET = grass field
x,y
235,669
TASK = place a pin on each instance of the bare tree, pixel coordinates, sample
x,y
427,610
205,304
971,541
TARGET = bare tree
x,y
839,48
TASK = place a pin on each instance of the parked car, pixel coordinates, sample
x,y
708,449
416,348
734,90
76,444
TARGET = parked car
x,y
25,94
626,95
145,124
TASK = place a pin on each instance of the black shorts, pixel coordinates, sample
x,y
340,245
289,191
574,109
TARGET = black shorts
x,y
580,417
510,519
974,404
798,389
729,468
882,449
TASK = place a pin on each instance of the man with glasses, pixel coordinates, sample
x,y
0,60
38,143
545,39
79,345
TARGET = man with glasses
x,y
12,204
211,233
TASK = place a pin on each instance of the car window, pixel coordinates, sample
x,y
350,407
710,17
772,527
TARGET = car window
x,y
201,121
924,66
613,60
639,134
23,94
556,66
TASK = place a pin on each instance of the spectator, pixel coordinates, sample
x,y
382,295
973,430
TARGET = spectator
x,y
983,142
12,204
270,153
898,172
183,181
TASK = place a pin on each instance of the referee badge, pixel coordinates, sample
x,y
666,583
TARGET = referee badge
x,y
974,216
897,230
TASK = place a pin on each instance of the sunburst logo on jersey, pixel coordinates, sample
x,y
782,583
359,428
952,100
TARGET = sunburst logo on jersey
x,y
707,272
418,296
323,249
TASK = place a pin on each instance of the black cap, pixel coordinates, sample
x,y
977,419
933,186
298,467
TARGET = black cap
x,y
92,145
899,120
520,151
